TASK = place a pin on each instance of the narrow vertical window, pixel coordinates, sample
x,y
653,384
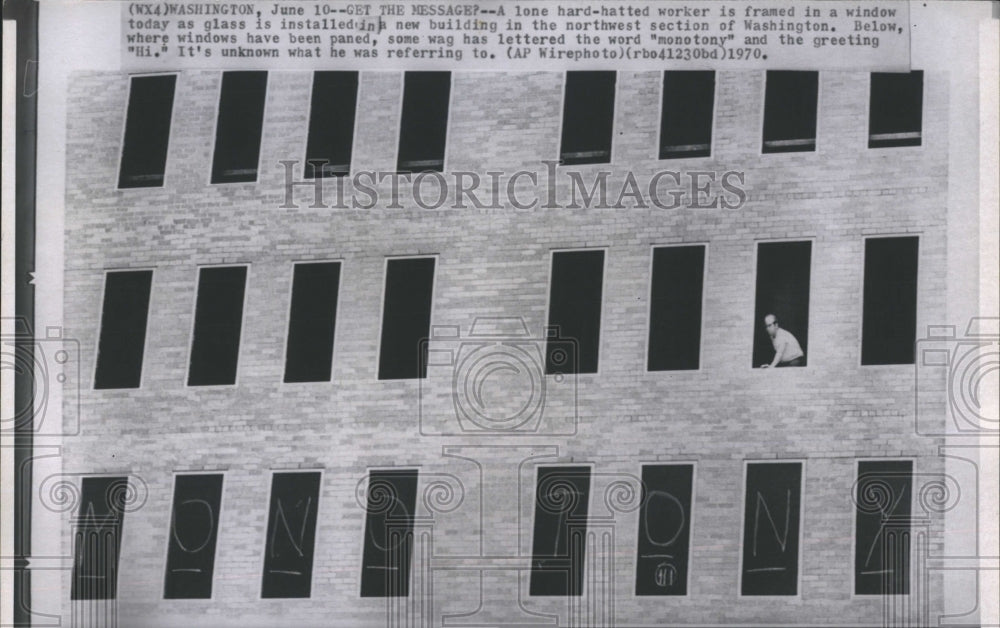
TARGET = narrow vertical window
x,y
575,312
882,534
291,535
239,127
123,329
424,121
664,530
388,546
147,131
771,529
406,318
895,112
790,111
331,124
558,549
686,118
781,314
889,320
588,118
675,308
218,320
311,322
98,538
194,529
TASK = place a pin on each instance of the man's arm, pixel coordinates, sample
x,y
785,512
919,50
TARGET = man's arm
x,y
779,351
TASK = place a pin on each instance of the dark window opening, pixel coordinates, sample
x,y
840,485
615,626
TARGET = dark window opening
x,y
147,131
782,293
331,124
771,529
882,537
686,119
588,118
424,121
406,318
239,128
194,530
558,550
122,341
97,538
790,111
312,322
896,109
291,535
675,308
574,335
889,319
218,319
664,530
388,546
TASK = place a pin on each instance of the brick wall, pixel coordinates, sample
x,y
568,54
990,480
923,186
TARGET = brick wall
x,y
495,262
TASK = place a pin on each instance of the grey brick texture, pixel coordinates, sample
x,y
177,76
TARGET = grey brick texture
x,y
495,263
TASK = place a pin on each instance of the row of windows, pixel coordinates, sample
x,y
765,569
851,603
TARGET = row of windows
x,y
769,565
895,119
575,306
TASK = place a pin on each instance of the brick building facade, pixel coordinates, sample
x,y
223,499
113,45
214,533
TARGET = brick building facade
x,y
475,513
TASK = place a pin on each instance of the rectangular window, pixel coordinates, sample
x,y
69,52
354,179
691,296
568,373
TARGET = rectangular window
x,y
218,320
331,124
123,329
406,318
782,299
238,131
790,111
686,118
664,530
889,320
312,322
388,547
194,529
291,535
675,308
558,549
98,538
771,529
588,118
574,312
147,131
882,533
896,109
423,126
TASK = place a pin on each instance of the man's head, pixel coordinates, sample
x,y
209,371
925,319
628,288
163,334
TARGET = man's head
x,y
771,324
